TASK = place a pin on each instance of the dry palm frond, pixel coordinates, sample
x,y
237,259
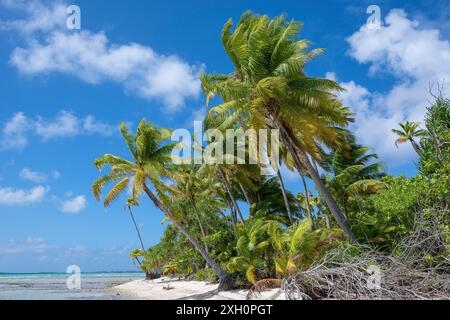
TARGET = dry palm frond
x,y
263,285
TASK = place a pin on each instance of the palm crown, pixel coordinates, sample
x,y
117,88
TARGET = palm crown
x,y
151,160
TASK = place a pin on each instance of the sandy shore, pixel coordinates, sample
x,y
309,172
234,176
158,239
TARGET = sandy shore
x,y
170,289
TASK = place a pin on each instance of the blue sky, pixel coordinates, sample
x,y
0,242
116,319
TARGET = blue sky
x,y
63,94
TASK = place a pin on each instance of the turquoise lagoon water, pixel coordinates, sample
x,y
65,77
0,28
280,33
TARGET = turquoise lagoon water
x,y
53,286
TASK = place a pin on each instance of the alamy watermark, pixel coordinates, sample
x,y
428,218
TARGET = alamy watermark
x,y
232,146
74,280
374,20
374,280
73,21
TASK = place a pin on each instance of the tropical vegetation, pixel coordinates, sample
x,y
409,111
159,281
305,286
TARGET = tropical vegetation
x,y
230,223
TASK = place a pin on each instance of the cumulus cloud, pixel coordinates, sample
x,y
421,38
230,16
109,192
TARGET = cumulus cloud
x,y
14,134
92,58
415,57
33,176
12,197
74,205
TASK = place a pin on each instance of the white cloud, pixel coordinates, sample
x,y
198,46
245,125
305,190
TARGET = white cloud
x,y
92,58
33,176
40,17
414,56
14,132
65,124
12,197
74,205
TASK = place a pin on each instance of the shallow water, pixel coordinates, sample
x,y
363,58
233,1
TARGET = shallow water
x,y
50,286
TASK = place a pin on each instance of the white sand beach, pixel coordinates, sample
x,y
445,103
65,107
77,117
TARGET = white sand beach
x,y
172,289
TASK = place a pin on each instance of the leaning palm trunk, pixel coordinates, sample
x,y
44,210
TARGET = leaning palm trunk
x,y
226,281
308,205
230,193
137,231
245,193
416,147
301,160
285,197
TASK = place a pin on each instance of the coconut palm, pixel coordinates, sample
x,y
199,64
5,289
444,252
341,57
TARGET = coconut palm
x,y
152,162
408,132
269,204
270,90
253,244
130,203
354,171
190,187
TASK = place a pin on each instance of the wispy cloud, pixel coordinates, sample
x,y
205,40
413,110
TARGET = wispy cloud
x,y
14,134
91,57
33,176
31,245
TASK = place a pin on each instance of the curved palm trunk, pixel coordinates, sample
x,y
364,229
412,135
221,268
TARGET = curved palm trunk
x,y
285,197
301,160
226,281
308,205
137,230
230,193
416,147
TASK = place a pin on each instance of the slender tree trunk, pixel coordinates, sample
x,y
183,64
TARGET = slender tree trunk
x,y
300,160
308,205
139,261
285,197
327,218
197,216
244,192
137,229
226,282
233,217
230,193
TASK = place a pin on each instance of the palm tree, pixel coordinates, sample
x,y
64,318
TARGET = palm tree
x,y
354,171
131,202
135,254
269,205
299,246
408,132
243,175
270,89
152,162
252,246
188,186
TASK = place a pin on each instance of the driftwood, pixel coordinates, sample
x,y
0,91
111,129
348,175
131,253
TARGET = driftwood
x,y
405,274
